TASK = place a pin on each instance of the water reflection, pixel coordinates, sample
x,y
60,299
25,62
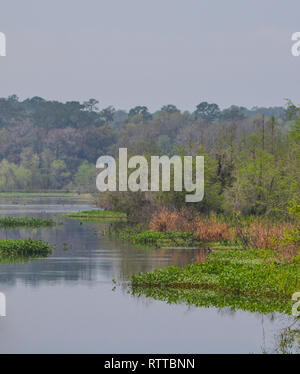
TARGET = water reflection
x,y
82,251
286,339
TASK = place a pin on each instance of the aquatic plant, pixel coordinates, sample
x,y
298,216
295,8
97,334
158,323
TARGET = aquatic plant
x,y
24,248
159,239
12,222
94,214
236,272
212,298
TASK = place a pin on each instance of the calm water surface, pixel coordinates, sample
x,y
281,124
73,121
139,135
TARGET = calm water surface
x,y
67,303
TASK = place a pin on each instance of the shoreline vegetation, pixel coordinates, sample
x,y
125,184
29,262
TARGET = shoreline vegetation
x,y
249,217
25,222
184,228
97,215
251,263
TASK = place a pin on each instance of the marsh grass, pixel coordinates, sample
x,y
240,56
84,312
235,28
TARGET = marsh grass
x,y
24,248
97,215
247,232
157,239
15,222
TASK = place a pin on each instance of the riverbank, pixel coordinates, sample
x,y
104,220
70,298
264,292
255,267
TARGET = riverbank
x,y
234,272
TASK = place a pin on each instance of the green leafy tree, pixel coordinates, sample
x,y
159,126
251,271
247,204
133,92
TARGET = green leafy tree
x,y
207,112
85,180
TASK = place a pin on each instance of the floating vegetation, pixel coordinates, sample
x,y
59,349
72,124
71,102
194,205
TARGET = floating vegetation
x,y
158,239
14,222
97,215
24,248
250,273
211,298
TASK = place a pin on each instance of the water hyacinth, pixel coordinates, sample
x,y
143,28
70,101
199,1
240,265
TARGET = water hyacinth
x,y
13,222
247,273
27,247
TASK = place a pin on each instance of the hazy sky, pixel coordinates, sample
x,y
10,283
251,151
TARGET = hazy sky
x,y
151,52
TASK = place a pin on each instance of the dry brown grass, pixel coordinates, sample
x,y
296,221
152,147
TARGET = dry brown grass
x,y
258,234
166,220
205,229
266,235
212,230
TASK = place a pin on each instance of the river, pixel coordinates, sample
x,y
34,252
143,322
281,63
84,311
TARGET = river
x,y
68,302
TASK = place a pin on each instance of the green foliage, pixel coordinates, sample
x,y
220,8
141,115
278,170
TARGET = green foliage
x,y
24,248
251,256
158,239
85,177
96,214
292,237
248,273
12,222
212,298
207,112
252,157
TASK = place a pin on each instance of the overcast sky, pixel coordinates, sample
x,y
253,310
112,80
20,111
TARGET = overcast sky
x,y
151,52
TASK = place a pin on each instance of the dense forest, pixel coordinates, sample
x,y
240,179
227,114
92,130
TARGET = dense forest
x,y
252,155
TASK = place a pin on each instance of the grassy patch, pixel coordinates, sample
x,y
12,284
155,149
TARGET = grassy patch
x,y
159,239
251,273
224,245
96,214
24,248
13,222
242,257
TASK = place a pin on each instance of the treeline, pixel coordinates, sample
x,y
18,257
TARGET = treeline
x,y
252,155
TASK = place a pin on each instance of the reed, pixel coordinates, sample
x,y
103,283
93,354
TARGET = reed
x,y
251,232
